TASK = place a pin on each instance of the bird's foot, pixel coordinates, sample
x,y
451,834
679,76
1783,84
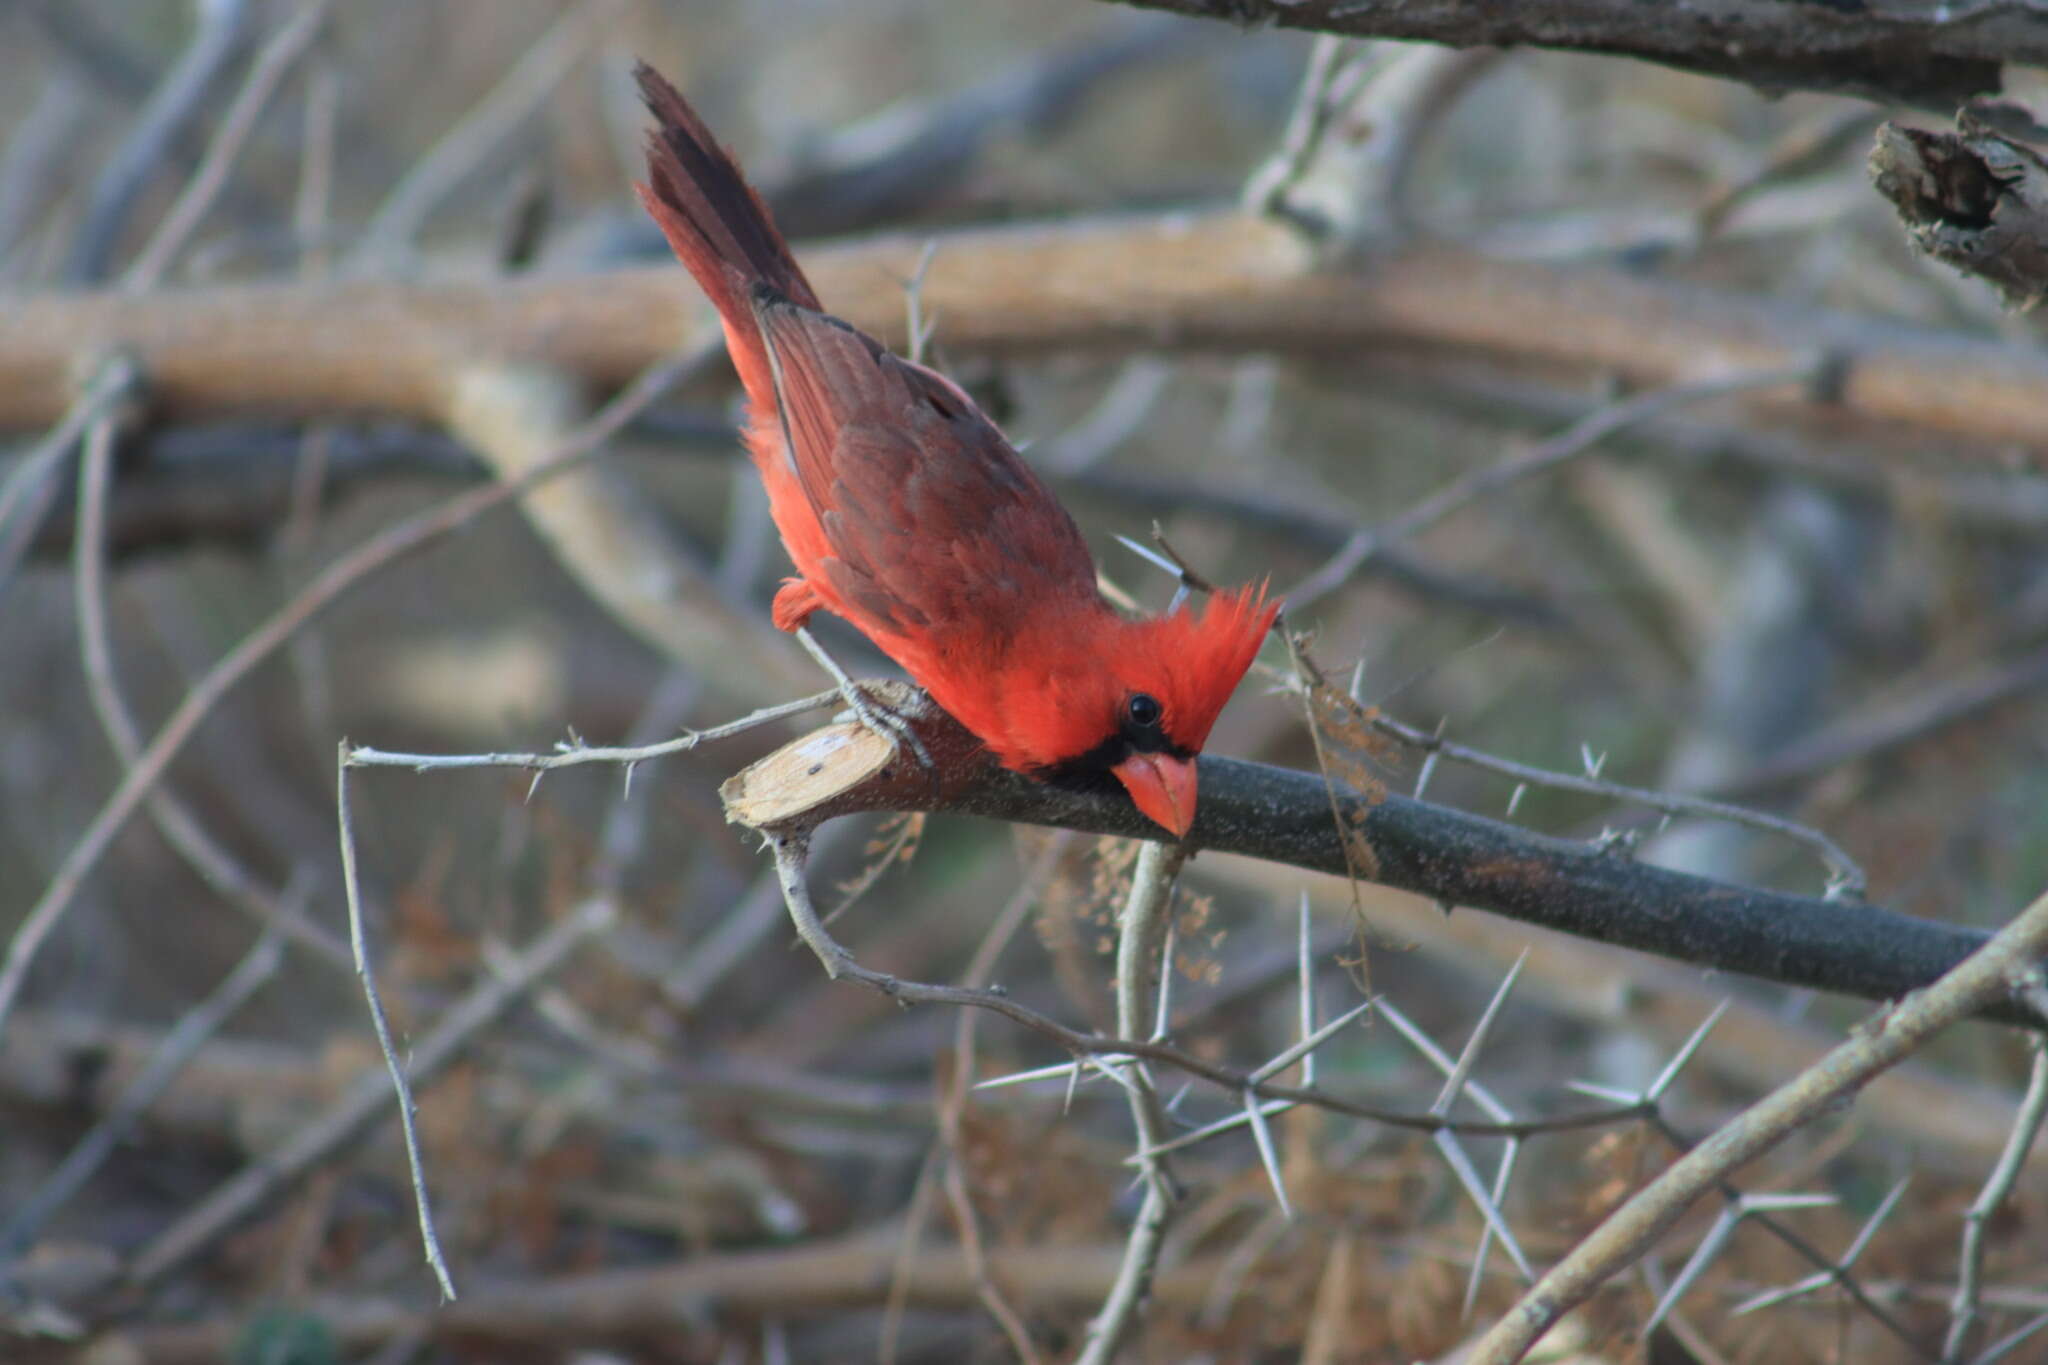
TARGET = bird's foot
x,y
890,724
873,715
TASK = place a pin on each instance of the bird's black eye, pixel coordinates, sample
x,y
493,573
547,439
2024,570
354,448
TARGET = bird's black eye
x,y
1144,710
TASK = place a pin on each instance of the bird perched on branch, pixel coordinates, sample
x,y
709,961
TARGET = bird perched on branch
x,y
910,516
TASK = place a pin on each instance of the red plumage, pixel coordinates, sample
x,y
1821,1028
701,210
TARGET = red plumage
x,y
908,515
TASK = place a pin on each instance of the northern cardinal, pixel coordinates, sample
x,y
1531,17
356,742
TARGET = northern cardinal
x,y
909,515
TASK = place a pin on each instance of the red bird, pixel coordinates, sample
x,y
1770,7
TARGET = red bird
x,y
908,515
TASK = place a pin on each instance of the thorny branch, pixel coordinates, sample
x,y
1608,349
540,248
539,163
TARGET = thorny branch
x,y
1998,1185
1846,878
574,752
1999,970
1284,816
358,940
1141,930
790,852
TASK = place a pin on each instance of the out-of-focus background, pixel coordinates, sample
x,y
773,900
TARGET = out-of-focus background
x,y
682,1142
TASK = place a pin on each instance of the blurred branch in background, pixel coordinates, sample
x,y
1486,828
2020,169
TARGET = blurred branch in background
x,y
1196,283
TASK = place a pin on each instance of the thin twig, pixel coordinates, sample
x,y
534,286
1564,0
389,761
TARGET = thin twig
x,y
1875,730
1846,877
407,1110
343,574
1582,436
790,847
369,1097
223,24
1838,1271
752,918
268,70
192,1031
39,144
180,828
523,89
1801,1246
1139,931
573,752
2026,1127
32,479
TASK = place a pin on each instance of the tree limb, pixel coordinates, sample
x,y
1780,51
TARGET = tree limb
x,y
1907,51
1284,816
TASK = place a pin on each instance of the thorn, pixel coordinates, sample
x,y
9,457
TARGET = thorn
x,y
1604,1092
1592,765
534,785
1306,968
1515,798
1043,1073
1695,1265
1164,1013
1502,1177
1717,1237
1619,842
1237,1118
1149,555
1268,1157
1455,1082
1684,1053
1461,1166
1307,1046
1426,772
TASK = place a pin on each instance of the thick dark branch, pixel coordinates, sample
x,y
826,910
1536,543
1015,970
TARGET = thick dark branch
x,y
1911,51
1283,816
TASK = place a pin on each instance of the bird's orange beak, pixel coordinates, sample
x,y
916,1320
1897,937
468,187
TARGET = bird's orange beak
x,y
1163,787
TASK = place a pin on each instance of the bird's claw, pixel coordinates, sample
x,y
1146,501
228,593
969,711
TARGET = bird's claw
x,y
889,724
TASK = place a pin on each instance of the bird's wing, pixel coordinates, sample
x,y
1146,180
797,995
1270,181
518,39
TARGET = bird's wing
x,y
933,519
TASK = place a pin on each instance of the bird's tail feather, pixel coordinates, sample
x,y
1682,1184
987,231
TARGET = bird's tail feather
x,y
712,217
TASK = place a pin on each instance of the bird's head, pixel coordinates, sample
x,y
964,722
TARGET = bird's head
x,y
1137,708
